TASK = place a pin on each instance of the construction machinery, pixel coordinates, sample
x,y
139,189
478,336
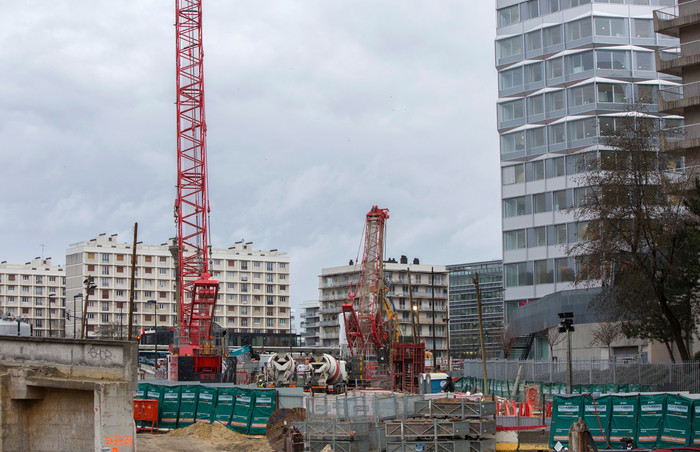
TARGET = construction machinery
x,y
280,369
328,375
380,356
195,356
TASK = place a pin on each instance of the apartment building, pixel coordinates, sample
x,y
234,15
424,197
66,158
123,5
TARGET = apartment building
x,y
566,70
310,322
430,284
253,294
35,292
465,342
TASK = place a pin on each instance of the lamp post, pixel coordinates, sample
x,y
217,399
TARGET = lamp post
x,y
75,312
447,326
51,298
566,325
155,339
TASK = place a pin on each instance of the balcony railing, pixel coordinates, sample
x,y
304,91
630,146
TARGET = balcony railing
x,y
677,92
675,11
675,52
682,137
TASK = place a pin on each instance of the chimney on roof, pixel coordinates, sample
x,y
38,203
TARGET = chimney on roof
x,y
416,261
404,259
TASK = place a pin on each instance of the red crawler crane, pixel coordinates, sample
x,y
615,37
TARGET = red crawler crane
x,y
197,293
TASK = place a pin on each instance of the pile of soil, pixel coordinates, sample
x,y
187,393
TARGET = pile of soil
x,y
202,438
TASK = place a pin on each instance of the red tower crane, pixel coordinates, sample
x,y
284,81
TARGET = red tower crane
x,y
197,293
362,312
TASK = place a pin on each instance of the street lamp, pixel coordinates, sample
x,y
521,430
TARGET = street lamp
x,y
566,325
51,298
155,340
75,312
447,326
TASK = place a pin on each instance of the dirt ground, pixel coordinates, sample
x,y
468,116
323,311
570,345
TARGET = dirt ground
x,y
201,438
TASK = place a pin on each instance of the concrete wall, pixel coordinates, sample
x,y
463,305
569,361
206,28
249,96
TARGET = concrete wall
x,y
67,395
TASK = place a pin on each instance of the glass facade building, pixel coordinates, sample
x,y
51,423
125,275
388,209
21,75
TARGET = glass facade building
x,y
567,69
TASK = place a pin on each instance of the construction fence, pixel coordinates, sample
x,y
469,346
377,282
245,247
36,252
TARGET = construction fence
x,y
657,376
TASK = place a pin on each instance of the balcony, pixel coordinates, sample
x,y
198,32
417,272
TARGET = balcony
x,y
672,60
673,99
670,20
328,323
331,310
680,138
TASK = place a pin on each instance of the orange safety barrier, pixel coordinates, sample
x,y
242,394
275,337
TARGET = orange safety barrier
x,y
146,410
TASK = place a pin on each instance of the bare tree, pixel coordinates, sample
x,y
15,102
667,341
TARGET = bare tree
x,y
634,233
605,333
553,338
506,339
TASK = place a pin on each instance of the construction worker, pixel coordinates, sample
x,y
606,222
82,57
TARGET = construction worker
x,y
449,385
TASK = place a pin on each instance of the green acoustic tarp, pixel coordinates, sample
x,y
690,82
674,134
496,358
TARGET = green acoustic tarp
x,y
206,402
596,413
225,400
695,439
650,419
623,420
242,410
633,388
265,405
188,405
595,390
578,389
612,389
565,411
676,429
169,407
141,391
154,392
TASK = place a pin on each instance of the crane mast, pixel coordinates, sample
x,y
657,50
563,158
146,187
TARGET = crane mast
x,y
197,293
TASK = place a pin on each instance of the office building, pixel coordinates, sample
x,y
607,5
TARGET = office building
x,y
566,70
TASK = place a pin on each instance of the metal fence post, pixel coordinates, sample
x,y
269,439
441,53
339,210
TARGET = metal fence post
x,y
590,373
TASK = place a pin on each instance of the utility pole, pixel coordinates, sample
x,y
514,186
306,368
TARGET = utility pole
x,y
481,333
566,325
131,292
88,287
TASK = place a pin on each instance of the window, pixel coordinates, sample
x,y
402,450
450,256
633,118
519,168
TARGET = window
x,y
163,271
581,95
513,174
512,142
564,269
533,73
541,202
608,92
244,265
583,196
543,272
531,9
244,287
537,237
557,234
270,300
244,276
283,266
270,277
39,280
509,111
257,264
270,266
513,240
90,255
535,105
644,61
120,293
551,6
509,47
244,322
610,26
515,206
643,28
579,2
511,78
579,62
551,36
283,321
533,40
270,288
120,269
517,275
270,322
560,201
38,291
607,126
578,29
579,163
557,134
581,129
535,138
534,170
612,59
509,15
230,286
646,94
555,68
105,305
555,101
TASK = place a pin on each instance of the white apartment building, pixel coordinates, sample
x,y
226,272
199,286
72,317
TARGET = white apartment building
x,y
27,291
430,282
253,292
309,322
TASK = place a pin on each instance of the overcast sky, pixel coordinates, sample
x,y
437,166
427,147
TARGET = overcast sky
x,y
316,110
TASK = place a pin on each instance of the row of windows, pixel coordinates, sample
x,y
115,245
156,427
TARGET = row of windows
x,y
38,279
532,76
546,38
106,258
547,201
555,103
534,8
545,271
555,234
564,134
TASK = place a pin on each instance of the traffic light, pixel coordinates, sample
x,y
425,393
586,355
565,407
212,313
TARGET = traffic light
x,y
566,322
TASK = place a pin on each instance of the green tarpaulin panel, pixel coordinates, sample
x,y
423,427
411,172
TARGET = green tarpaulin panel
x,y
650,419
565,411
623,420
206,401
676,429
695,439
595,390
633,388
596,413
265,405
225,400
141,391
612,389
645,388
242,410
169,407
188,405
577,389
155,392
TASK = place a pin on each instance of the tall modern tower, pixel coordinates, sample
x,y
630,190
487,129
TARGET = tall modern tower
x,y
566,70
